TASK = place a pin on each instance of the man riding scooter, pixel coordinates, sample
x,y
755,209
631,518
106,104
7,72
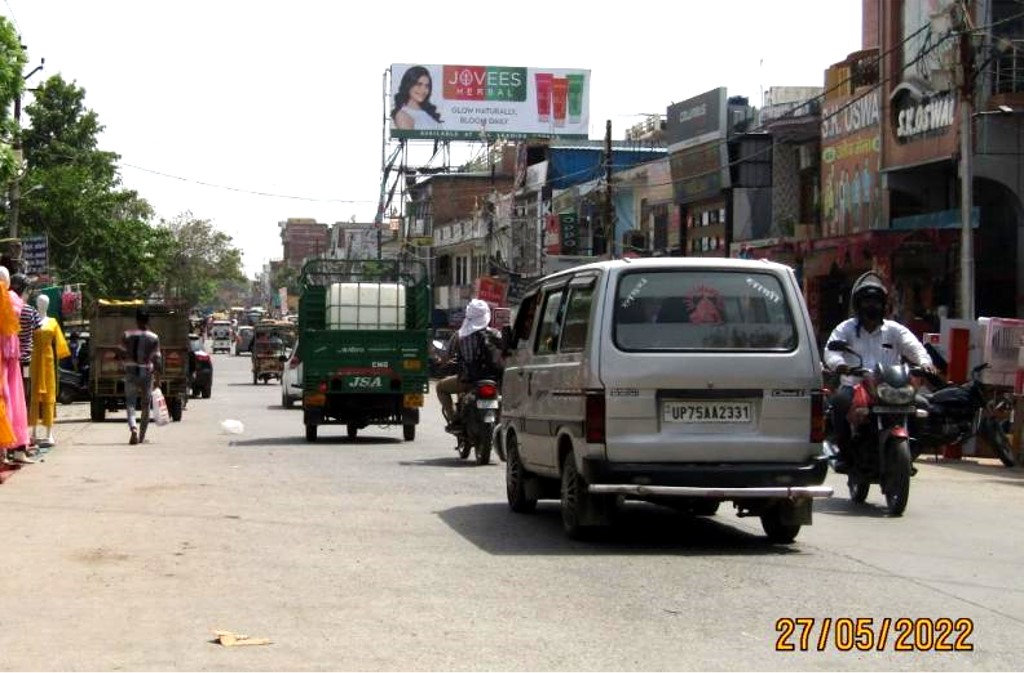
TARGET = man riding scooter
x,y
878,341
469,350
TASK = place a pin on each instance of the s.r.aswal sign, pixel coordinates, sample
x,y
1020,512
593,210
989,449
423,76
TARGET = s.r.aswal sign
x,y
917,117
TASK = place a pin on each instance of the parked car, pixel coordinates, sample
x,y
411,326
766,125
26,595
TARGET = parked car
x,y
243,339
200,368
681,381
291,378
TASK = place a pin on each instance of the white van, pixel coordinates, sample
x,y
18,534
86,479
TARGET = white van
x,y
221,333
683,381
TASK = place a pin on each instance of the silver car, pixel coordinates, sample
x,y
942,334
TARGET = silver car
x,y
682,381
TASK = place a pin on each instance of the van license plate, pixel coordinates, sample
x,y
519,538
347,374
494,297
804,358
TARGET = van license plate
x,y
707,412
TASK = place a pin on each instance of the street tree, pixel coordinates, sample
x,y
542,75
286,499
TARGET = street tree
x,y
12,62
200,260
99,233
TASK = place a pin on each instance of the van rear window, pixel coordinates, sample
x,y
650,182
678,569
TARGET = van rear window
x,y
703,311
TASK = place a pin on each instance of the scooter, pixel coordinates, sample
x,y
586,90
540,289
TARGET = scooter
x,y
477,412
883,403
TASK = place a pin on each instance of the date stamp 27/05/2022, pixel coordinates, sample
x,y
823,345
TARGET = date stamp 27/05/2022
x,y
868,634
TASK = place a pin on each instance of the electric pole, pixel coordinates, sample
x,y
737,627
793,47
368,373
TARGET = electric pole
x,y
966,171
609,224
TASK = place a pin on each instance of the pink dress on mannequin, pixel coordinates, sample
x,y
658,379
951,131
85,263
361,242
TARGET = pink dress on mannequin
x,y
17,411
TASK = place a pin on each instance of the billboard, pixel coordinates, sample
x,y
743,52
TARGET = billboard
x,y
466,102
699,172
697,120
851,155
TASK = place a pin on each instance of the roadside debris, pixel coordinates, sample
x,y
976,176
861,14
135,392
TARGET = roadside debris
x,y
230,639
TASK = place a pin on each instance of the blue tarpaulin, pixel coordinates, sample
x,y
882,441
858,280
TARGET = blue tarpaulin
x,y
572,166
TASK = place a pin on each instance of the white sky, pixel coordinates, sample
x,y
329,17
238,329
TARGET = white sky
x,y
286,97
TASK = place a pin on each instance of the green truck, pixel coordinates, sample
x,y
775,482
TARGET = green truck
x,y
362,344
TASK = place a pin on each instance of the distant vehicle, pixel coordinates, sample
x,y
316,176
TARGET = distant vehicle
x,y
200,368
291,379
243,340
221,333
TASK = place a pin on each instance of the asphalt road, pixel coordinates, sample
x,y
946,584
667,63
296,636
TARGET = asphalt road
x,y
382,554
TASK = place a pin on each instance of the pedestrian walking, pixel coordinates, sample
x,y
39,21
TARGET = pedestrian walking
x,y
142,364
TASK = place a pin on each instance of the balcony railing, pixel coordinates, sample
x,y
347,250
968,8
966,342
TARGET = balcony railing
x,y
1008,70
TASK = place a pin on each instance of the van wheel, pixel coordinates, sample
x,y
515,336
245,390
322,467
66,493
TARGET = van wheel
x,y
207,391
705,507
575,500
310,432
515,479
409,432
255,379
778,532
97,412
351,430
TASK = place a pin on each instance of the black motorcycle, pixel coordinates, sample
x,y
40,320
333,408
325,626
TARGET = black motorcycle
x,y
477,412
74,386
955,413
879,451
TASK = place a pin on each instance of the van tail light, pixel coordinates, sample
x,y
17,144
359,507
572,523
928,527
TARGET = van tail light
x,y
487,391
817,416
594,420
322,387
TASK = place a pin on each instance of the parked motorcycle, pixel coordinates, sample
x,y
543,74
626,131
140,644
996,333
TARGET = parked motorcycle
x,y
477,412
74,386
879,452
955,413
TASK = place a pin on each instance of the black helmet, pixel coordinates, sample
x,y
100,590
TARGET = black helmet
x,y
870,284
19,282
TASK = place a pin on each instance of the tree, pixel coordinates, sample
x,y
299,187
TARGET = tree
x,y
12,62
99,233
287,277
200,259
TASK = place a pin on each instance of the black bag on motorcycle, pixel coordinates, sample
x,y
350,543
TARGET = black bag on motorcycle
x,y
954,401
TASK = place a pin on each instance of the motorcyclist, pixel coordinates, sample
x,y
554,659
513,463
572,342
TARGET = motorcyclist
x,y
464,350
877,341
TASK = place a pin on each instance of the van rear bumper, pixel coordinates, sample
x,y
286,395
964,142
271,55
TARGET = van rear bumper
x,y
721,480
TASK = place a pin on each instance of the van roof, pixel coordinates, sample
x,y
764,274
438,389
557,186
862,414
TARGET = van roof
x,y
727,263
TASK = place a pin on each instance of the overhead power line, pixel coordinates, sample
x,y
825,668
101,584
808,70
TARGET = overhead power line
x,y
242,190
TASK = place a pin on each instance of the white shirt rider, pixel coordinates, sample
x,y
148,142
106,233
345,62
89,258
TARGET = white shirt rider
x,y
886,345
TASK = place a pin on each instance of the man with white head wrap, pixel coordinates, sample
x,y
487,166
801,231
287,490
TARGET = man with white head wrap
x,y
465,349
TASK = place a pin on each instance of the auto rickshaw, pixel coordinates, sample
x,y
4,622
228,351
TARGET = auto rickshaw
x,y
272,339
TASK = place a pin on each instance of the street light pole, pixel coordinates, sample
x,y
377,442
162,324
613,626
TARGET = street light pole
x,y
966,206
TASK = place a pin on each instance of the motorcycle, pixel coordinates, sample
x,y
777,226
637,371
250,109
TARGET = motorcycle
x,y
477,412
74,386
883,403
955,413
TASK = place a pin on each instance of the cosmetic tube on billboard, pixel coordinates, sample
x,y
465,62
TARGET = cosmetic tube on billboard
x,y
543,80
559,95
575,97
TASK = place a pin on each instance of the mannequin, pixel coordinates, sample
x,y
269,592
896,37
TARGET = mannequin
x,y
9,349
47,340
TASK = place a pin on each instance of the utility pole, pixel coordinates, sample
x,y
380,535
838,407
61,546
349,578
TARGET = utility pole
x,y
966,172
14,191
609,224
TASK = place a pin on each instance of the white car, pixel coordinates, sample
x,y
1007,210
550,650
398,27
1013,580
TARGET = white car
x,y
291,379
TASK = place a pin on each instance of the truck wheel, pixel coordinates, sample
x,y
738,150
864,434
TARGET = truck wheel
x,y
351,430
310,433
409,432
97,412
174,407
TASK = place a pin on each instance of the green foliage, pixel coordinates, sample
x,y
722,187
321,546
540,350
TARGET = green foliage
x,y
200,260
100,234
12,63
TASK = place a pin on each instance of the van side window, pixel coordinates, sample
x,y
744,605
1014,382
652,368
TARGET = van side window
x,y
550,326
523,327
577,318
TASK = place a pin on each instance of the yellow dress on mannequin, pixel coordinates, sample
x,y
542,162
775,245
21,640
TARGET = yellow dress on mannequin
x,y
46,340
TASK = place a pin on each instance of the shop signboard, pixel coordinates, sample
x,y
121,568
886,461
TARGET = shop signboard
x,y
570,231
35,251
697,120
851,151
468,102
700,172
